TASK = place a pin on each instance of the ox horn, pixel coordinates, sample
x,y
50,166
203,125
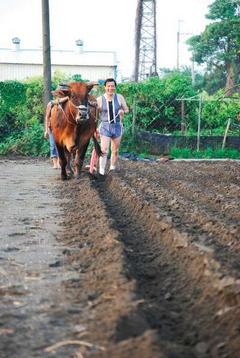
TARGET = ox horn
x,y
92,84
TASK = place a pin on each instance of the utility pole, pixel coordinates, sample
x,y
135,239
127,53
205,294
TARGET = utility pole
x,y
193,73
179,34
178,43
238,10
46,52
145,40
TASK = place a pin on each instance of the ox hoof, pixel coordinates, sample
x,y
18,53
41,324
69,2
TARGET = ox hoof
x,y
93,176
65,177
70,172
101,177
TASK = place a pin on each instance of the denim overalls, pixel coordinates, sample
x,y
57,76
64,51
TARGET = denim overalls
x,y
110,127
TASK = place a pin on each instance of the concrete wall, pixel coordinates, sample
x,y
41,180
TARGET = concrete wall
x,y
22,71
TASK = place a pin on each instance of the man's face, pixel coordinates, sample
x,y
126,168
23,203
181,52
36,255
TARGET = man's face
x,y
110,87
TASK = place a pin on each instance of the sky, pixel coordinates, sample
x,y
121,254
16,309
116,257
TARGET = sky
x,y
107,25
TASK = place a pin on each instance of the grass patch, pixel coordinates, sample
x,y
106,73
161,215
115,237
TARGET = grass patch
x,y
208,153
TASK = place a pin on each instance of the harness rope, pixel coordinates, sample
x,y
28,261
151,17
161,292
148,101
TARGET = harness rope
x,y
74,123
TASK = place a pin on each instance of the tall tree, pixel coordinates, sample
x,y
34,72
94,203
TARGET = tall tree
x,y
218,45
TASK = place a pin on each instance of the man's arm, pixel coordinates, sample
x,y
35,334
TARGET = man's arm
x,y
123,104
124,107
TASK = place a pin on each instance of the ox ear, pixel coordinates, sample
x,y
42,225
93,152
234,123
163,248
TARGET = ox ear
x,y
91,85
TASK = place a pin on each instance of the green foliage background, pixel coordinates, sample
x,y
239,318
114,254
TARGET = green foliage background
x,y
22,115
155,103
218,45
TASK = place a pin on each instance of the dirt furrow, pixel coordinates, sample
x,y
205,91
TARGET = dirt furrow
x,y
175,295
206,226
123,272
210,172
218,199
106,292
162,297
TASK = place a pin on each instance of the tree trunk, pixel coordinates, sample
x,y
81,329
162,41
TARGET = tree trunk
x,y
230,78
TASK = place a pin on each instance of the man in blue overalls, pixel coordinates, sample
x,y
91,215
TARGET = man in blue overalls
x,y
111,107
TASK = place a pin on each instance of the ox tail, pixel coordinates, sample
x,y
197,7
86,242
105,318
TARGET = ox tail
x,y
97,147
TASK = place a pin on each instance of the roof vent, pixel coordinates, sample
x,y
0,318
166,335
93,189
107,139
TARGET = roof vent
x,y
16,41
79,44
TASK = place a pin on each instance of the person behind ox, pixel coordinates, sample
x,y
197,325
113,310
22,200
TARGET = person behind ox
x,y
48,133
111,107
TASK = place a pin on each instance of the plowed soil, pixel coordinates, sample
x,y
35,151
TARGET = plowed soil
x,y
144,264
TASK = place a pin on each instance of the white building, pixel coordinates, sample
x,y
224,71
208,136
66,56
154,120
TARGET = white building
x,y
18,64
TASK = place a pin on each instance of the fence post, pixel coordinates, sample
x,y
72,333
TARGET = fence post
x,y
183,123
199,122
226,132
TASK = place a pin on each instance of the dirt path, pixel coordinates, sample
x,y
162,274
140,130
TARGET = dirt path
x,y
35,310
145,264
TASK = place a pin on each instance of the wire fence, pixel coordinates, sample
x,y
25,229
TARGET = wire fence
x,y
196,116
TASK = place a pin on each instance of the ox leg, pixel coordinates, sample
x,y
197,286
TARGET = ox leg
x,y
63,162
68,156
79,159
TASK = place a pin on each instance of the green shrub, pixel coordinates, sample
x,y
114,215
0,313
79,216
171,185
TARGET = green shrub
x,y
156,104
29,142
218,109
12,100
208,153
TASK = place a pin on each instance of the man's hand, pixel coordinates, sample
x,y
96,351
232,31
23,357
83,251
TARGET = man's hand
x,y
46,135
121,113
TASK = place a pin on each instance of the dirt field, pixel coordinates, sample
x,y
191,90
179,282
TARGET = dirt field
x,y
143,265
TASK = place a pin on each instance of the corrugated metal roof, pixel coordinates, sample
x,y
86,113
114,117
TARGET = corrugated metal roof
x,y
59,57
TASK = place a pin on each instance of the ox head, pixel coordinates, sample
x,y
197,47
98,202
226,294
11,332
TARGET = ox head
x,y
78,93
79,98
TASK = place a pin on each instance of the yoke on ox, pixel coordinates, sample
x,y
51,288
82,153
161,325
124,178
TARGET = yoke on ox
x,y
73,124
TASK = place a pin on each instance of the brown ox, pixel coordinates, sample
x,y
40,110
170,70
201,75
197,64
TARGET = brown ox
x,y
73,124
